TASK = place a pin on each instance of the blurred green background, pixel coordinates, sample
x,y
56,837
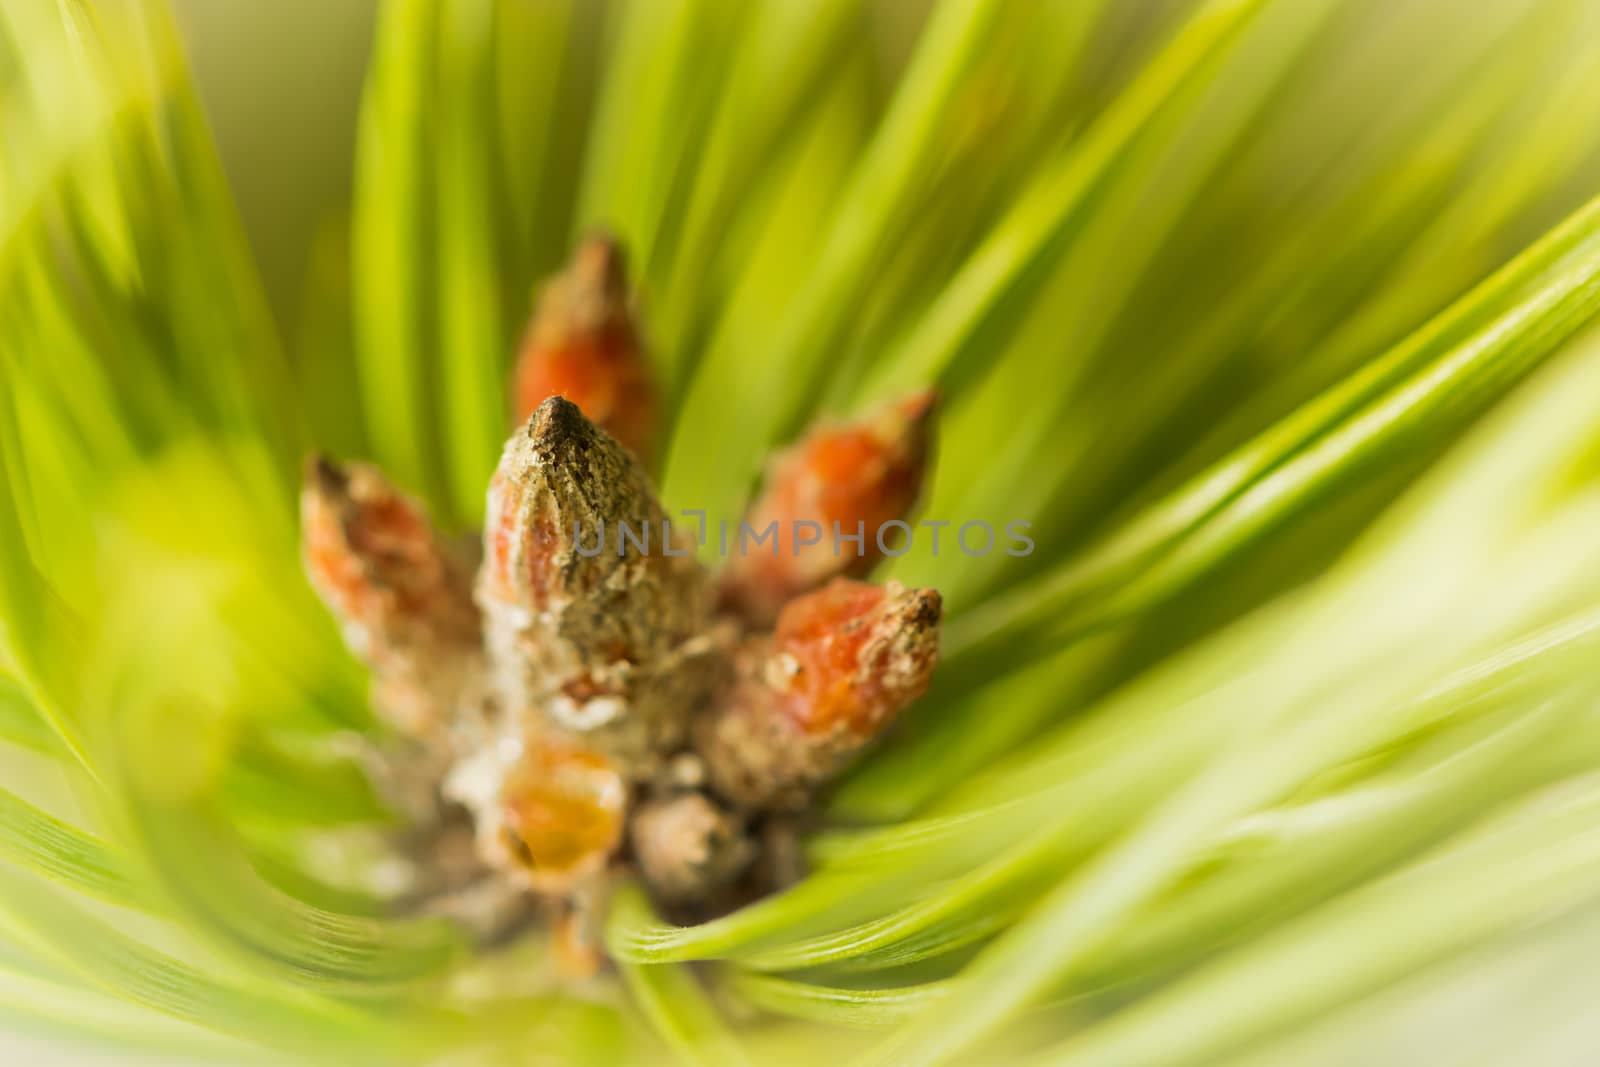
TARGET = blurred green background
x,y
282,84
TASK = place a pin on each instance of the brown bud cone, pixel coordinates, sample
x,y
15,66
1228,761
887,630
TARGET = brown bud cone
x,y
688,848
402,595
859,475
559,818
840,666
586,637
583,344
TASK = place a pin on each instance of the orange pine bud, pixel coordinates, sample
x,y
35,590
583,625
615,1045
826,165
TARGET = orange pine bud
x,y
583,344
840,666
859,476
561,813
401,593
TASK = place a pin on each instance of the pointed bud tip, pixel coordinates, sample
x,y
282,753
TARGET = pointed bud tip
x,y
905,427
918,407
556,418
324,476
601,265
844,603
557,433
914,608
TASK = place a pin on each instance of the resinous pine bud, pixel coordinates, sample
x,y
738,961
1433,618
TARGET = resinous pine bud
x,y
858,475
583,699
561,813
583,344
585,636
402,595
842,663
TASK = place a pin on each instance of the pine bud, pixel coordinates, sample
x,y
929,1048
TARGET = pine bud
x,y
402,595
856,477
841,664
590,597
583,344
688,849
583,699
560,817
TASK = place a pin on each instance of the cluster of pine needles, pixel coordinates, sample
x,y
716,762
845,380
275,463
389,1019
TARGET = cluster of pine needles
x,y
1283,747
